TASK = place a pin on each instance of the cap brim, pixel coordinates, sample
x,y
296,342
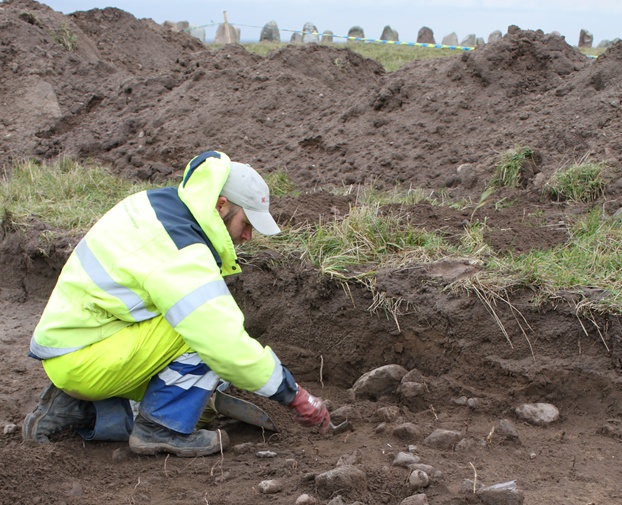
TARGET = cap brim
x,y
263,222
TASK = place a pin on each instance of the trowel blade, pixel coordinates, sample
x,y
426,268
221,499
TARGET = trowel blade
x,y
242,410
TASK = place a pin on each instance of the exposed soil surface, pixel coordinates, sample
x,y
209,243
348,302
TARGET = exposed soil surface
x,y
145,100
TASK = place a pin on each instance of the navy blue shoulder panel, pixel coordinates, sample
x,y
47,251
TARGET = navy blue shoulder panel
x,y
197,161
178,221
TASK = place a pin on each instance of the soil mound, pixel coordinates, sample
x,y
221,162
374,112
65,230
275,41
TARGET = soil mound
x,y
144,100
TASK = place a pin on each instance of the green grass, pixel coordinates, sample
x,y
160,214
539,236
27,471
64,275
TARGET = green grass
x,y
513,163
584,182
65,195
69,197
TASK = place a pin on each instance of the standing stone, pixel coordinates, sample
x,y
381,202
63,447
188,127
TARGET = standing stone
x,y
469,41
327,37
198,33
270,33
226,34
296,38
450,40
356,31
310,34
389,34
182,26
585,39
425,36
495,36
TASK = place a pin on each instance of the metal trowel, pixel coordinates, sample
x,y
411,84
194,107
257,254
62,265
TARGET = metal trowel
x,y
239,409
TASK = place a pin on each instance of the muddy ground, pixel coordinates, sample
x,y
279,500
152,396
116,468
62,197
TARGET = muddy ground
x,y
144,101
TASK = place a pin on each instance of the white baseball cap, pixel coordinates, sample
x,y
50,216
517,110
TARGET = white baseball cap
x,y
246,188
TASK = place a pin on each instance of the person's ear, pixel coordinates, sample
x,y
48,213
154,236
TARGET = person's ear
x,y
220,203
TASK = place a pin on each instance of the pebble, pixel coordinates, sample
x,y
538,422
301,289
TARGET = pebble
x,y
243,448
501,494
539,414
404,459
121,454
266,454
270,486
305,499
350,459
10,428
418,479
407,431
416,499
341,479
443,439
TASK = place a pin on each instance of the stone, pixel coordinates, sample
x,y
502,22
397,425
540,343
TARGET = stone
x,y
389,33
226,34
495,36
337,500
350,459
270,486
270,32
539,414
404,459
586,39
386,414
469,41
266,454
450,40
378,382
407,431
343,479
443,439
416,499
356,32
310,34
305,499
296,38
501,494
425,36
327,37
344,413
418,479
506,430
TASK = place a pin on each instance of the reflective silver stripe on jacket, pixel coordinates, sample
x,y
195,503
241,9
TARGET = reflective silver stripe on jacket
x,y
102,279
194,300
272,386
43,352
170,377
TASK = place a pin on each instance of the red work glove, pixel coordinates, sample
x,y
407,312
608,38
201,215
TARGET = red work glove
x,y
310,411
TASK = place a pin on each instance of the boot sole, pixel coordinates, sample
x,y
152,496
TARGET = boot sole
x,y
138,446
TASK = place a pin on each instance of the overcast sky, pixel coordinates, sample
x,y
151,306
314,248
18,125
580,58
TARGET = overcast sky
x,y
602,18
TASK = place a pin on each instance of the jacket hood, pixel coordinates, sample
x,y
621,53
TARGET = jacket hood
x,y
204,178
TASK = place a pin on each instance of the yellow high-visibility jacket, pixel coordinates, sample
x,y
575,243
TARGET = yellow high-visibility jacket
x,y
162,251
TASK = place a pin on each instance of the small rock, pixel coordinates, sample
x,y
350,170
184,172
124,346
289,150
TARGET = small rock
x,y
305,499
404,459
501,494
443,439
412,448
10,428
344,413
266,454
243,448
460,401
270,486
539,414
337,500
350,459
411,390
407,431
387,414
470,487
223,477
380,381
473,403
416,499
342,479
380,428
506,429
429,469
418,479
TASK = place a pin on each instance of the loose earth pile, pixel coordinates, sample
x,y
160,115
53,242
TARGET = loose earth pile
x,y
143,100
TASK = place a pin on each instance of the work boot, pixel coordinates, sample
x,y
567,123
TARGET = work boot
x,y
56,411
150,438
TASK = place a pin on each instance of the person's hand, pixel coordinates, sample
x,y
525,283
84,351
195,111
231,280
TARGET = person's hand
x,y
310,411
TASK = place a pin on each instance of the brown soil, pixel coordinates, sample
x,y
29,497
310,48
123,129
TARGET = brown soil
x,y
145,100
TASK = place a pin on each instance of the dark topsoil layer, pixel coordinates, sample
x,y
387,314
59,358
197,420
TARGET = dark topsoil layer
x,y
145,100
